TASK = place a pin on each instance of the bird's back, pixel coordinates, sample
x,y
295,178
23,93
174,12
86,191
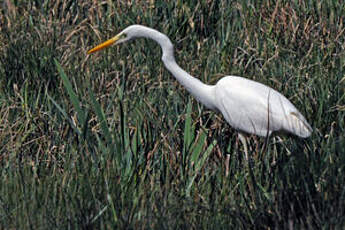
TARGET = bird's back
x,y
255,108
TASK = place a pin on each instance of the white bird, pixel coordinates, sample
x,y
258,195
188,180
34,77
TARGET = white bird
x,y
248,106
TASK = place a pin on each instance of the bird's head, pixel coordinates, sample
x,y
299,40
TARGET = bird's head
x,y
125,35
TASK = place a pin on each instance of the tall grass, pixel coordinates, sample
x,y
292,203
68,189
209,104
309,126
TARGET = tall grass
x,y
113,141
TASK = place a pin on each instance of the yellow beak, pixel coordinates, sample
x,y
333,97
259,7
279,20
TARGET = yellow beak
x,y
104,44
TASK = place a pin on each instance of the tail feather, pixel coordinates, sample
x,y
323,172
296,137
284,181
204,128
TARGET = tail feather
x,y
298,125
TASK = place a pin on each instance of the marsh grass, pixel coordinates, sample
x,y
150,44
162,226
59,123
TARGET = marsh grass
x,y
113,141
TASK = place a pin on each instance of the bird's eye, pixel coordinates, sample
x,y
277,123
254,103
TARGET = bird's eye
x,y
123,36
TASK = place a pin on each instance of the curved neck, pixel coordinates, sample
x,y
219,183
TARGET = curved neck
x,y
202,92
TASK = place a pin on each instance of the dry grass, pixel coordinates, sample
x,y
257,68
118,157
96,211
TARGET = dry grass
x,y
148,164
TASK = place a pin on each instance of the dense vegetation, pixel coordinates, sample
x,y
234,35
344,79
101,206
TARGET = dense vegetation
x,y
113,141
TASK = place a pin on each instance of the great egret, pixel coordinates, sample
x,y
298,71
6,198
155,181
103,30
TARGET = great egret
x,y
248,106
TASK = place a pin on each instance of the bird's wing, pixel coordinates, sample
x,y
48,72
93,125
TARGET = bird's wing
x,y
244,105
258,109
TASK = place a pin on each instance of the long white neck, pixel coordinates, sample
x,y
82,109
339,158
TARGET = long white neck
x,y
202,92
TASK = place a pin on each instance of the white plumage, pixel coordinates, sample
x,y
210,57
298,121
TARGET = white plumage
x,y
252,107
248,106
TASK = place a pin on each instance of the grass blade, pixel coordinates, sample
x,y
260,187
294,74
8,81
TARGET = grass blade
x,y
72,95
188,130
63,112
102,120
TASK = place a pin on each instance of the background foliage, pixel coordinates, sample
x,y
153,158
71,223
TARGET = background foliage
x,y
113,141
